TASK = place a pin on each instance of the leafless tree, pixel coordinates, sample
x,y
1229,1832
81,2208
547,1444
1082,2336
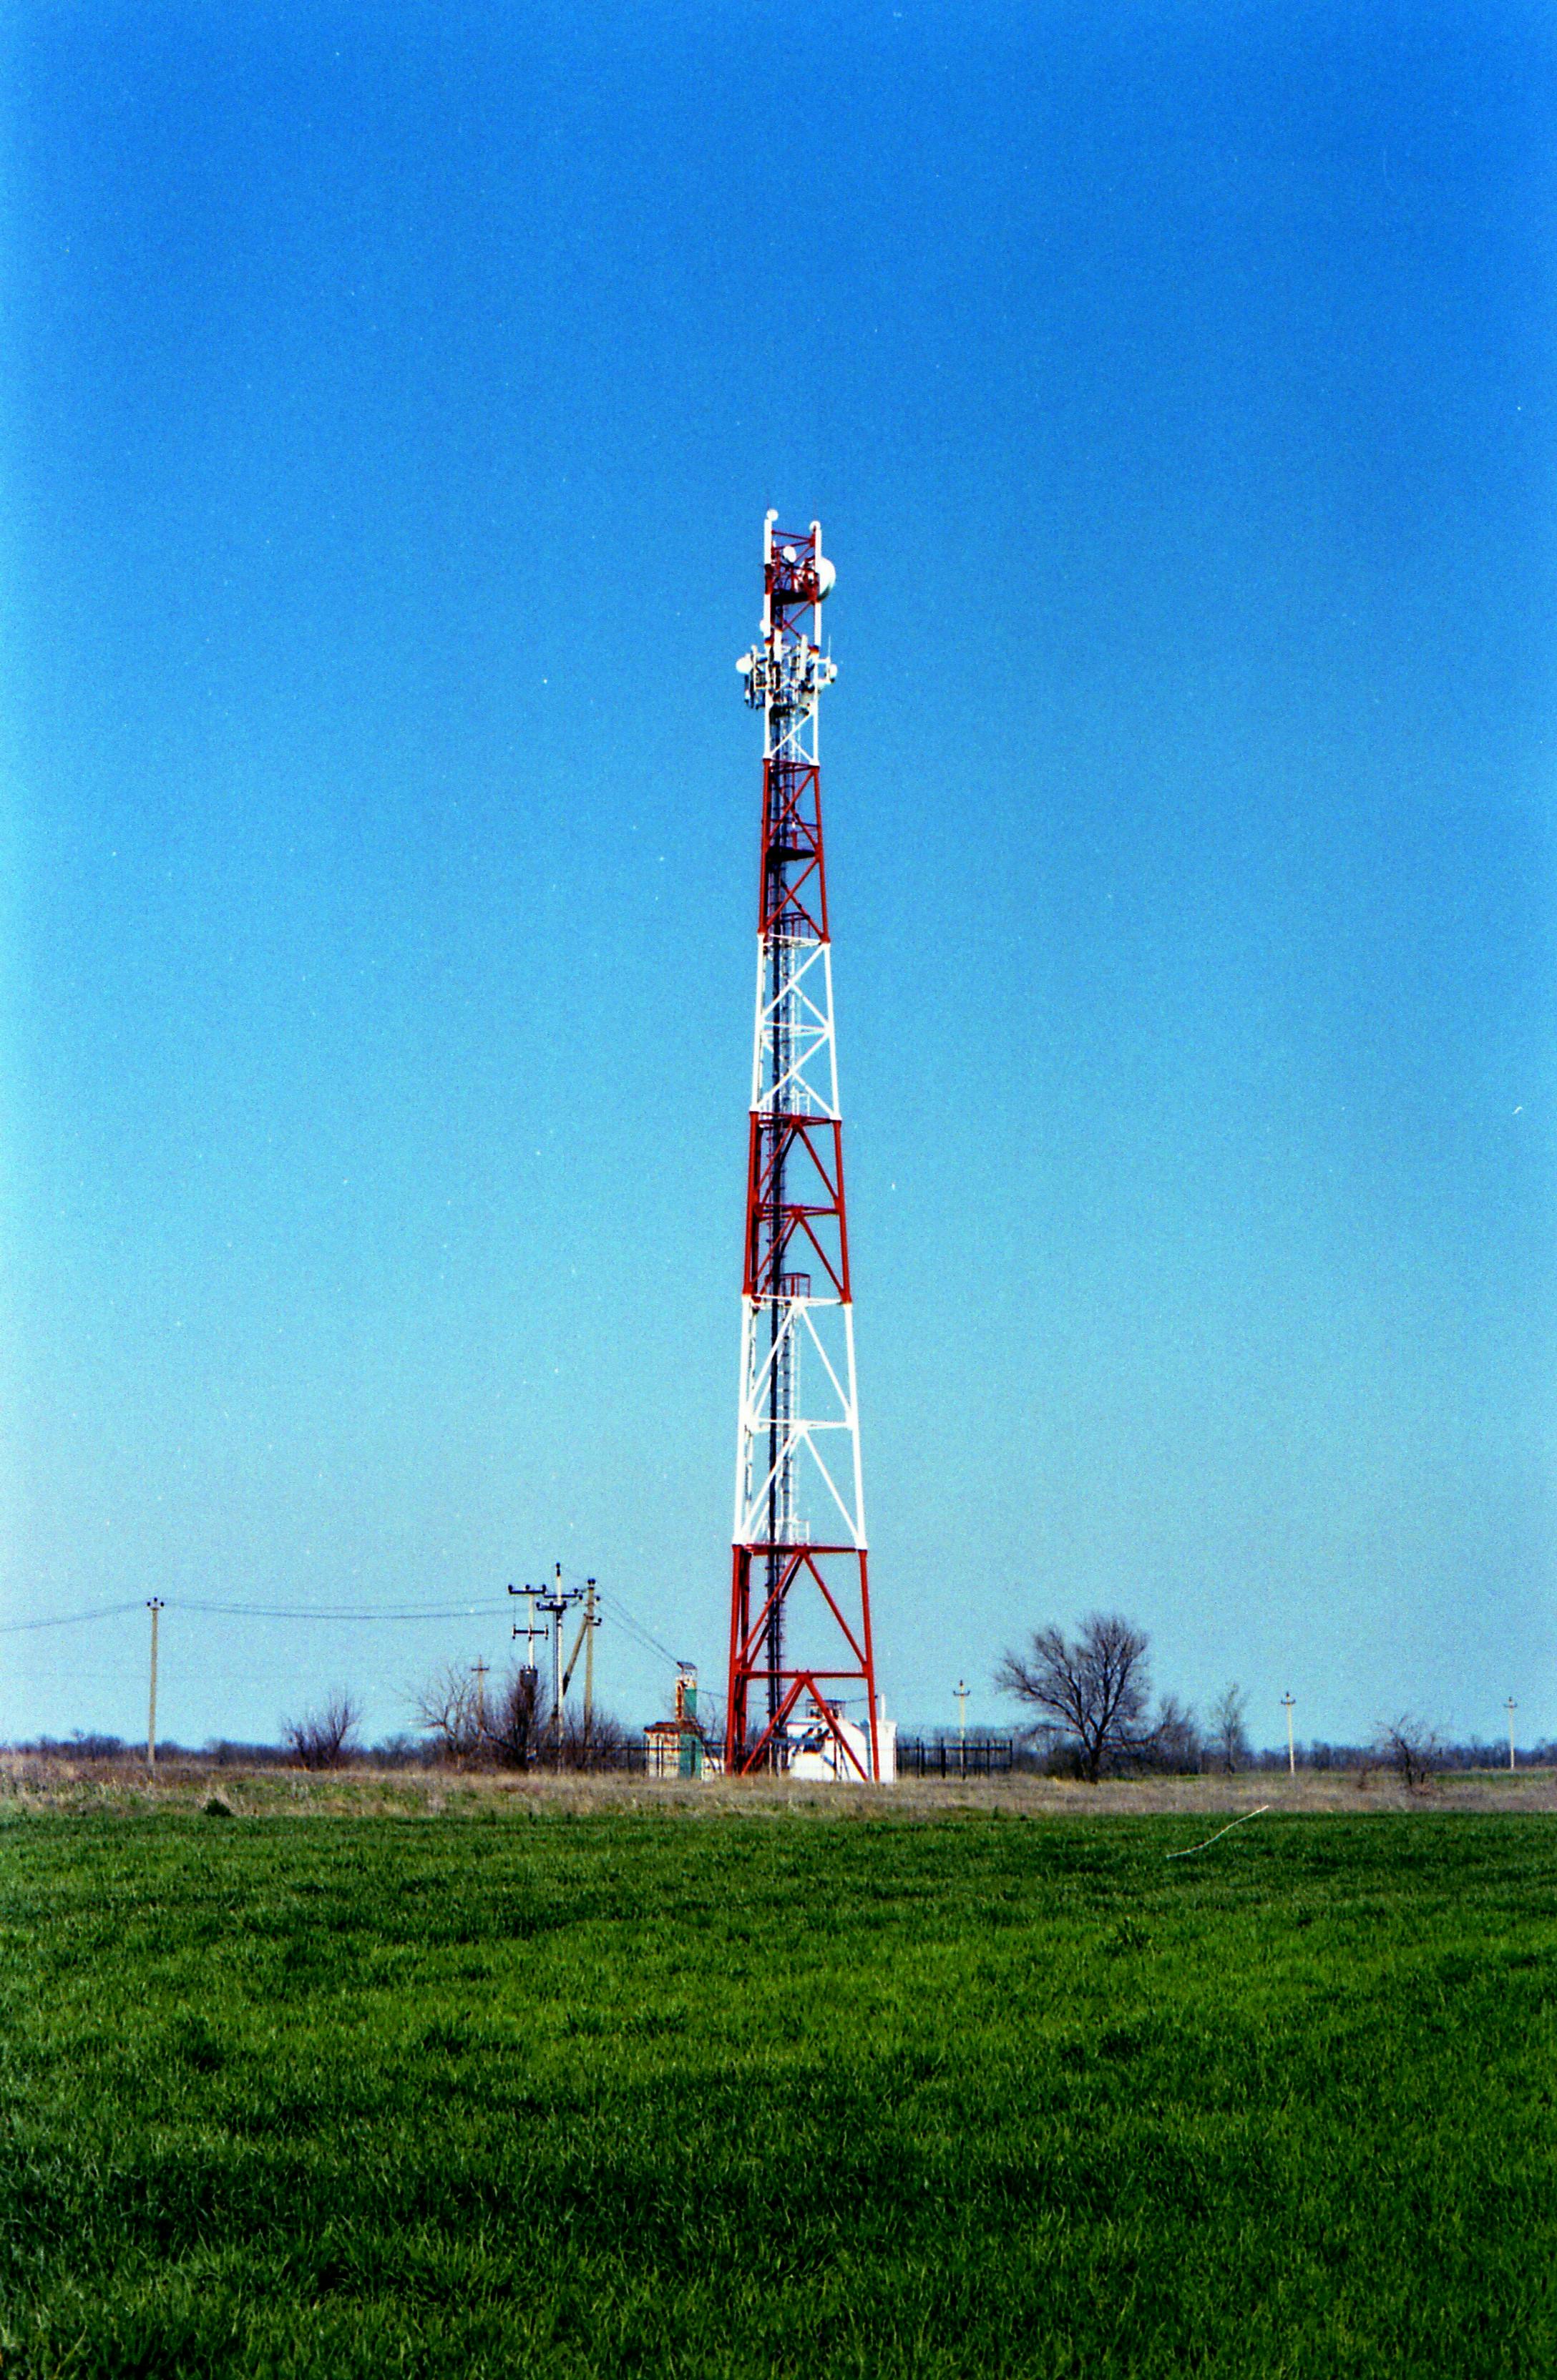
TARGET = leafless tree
x,y
1411,1748
510,1725
1093,1691
449,1708
516,1720
322,1740
1172,1742
591,1746
1229,1736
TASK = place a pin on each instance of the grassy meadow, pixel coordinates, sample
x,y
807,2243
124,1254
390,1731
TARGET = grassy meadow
x,y
524,2088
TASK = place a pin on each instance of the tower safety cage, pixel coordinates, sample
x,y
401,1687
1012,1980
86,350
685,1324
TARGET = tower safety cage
x,y
802,1675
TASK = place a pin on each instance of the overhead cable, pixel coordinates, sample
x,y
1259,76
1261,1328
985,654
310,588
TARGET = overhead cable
x,y
71,1619
352,1611
612,1609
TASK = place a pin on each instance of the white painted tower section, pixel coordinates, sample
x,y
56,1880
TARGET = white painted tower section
x,y
798,1465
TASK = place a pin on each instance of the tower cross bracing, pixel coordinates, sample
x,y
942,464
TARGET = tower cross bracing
x,y
801,1662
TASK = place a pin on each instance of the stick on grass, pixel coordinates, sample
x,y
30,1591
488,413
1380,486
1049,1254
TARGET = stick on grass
x,y
1220,1832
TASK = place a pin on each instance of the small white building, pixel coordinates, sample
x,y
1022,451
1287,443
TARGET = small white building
x,y
815,1752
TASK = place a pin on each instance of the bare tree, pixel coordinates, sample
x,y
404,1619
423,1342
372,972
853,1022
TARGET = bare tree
x,y
1229,1736
1411,1748
588,1747
322,1740
516,1718
1172,1742
1094,1691
512,1726
449,1708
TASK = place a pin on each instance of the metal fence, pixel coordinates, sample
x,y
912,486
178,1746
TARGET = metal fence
x,y
921,1756
916,1757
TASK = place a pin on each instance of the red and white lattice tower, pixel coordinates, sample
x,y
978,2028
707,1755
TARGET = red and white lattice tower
x,y
802,1672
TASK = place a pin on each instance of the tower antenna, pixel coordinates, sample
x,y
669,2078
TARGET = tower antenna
x,y
802,1670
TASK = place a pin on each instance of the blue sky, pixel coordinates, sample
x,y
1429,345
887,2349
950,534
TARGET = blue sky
x,y
393,395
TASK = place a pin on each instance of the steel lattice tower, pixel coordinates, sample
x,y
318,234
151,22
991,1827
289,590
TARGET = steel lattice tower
x,y
800,1654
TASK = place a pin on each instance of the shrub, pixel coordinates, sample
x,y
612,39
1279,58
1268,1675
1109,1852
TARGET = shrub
x,y
1412,1749
322,1740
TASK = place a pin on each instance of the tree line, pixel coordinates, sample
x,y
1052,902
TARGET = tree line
x,y
1094,1716
1093,1693
467,1722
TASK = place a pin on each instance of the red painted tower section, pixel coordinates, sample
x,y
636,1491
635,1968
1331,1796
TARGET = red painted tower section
x,y
802,1678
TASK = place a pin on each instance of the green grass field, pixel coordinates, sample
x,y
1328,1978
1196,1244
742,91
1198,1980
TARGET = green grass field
x,y
516,2093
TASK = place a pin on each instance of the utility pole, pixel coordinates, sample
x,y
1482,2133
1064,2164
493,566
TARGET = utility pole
x,y
154,1606
556,1604
478,1670
530,1632
1513,1707
591,1622
1291,1750
529,1673
584,1642
962,1690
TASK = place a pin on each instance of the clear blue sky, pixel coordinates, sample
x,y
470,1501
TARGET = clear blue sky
x,y
393,397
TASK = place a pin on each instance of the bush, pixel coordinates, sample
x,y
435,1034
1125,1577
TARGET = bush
x,y
322,1740
516,1721
511,1725
1412,1749
594,1746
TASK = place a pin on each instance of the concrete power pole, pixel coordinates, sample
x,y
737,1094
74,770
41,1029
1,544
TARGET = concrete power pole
x,y
1513,1707
1291,1749
530,1675
154,1606
591,1623
585,1643
962,1690
555,1605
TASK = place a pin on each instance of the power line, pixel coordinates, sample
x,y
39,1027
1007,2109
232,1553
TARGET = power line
x,y
264,1611
71,1619
354,1611
613,1608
